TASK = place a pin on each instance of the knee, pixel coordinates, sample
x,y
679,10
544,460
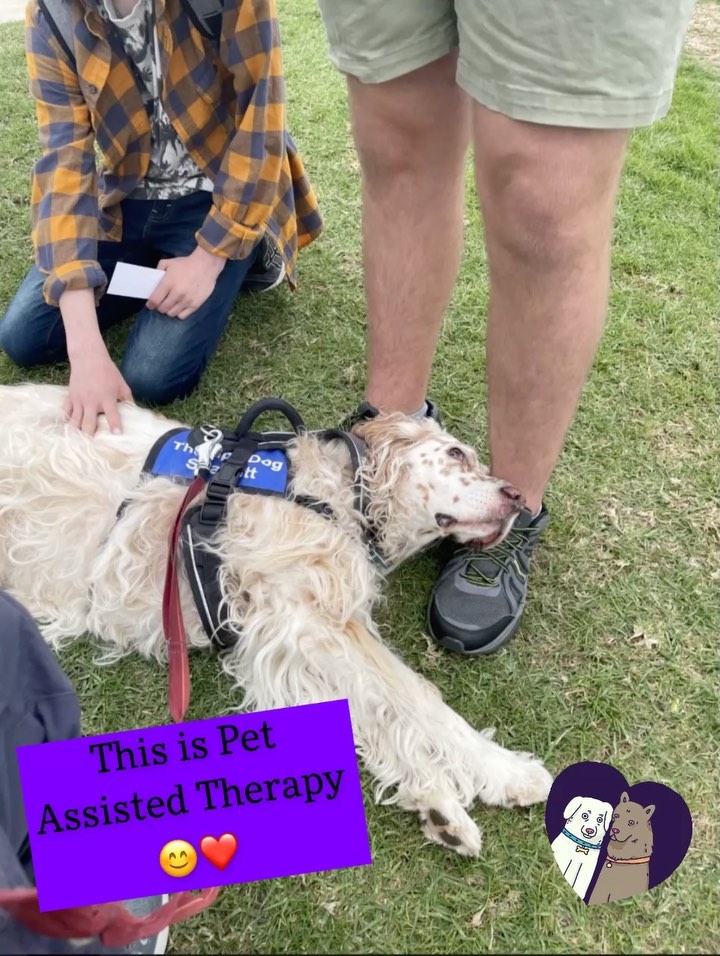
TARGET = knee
x,y
26,331
549,209
540,225
388,150
397,137
16,342
157,382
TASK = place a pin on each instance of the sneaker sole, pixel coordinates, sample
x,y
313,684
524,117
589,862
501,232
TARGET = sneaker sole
x,y
454,644
261,290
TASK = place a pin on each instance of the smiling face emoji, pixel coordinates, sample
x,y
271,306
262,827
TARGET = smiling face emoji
x,y
178,858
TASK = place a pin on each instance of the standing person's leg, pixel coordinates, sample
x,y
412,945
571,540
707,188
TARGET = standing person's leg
x,y
557,90
548,226
411,124
165,357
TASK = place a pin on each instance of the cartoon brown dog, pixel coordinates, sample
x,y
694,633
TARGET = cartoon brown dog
x,y
626,868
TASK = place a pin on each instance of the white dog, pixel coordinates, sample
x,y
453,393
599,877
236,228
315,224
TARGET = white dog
x,y
297,587
577,847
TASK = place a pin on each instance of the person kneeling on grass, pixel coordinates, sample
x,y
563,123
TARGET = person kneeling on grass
x,y
200,178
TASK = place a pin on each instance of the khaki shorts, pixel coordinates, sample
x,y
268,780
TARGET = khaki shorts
x,y
599,64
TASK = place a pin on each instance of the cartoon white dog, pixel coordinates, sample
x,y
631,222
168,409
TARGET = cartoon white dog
x,y
577,847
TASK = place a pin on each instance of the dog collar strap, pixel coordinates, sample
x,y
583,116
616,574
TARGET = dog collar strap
x,y
590,846
613,859
357,450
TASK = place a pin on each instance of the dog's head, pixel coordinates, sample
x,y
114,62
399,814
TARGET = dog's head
x,y
631,824
424,484
588,818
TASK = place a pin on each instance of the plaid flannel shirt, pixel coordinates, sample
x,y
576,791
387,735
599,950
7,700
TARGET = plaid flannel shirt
x,y
227,106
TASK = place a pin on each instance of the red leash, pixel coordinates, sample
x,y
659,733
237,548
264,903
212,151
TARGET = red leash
x,y
173,625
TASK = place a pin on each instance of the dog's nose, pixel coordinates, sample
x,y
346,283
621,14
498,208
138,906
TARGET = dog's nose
x,y
512,494
614,831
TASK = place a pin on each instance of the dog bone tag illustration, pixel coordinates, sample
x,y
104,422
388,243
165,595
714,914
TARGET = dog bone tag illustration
x,y
611,840
219,852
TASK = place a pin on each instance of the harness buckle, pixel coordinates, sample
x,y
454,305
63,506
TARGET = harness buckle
x,y
207,451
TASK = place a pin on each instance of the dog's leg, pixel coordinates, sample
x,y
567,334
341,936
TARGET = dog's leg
x,y
447,824
408,738
509,778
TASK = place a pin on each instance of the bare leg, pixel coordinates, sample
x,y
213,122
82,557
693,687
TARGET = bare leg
x,y
412,135
548,197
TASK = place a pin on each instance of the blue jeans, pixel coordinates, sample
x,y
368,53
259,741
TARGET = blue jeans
x,y
164,357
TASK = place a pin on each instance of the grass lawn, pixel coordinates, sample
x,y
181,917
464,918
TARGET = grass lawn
x,y
617,656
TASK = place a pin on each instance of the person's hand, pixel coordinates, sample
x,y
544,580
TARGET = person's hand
x,y
189,282
96,387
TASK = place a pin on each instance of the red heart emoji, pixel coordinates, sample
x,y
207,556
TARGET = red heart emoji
x,y
219,852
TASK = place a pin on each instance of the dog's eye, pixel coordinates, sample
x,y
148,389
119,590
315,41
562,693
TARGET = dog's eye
x,y
615,816
600,819
631,823
585,816
457,453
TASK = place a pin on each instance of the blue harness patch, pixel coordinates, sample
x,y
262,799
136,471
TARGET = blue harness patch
x,y
266,470
176,458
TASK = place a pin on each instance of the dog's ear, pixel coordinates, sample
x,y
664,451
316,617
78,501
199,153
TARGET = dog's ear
x,y
624,798
649,810
394,429
572,808
386,430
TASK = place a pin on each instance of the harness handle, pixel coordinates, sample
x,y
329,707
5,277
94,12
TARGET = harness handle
x,y
270,405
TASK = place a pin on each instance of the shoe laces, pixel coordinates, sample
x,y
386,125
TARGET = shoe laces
x,y
502,555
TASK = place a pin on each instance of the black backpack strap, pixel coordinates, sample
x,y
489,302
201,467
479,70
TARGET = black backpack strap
x,y
60,19
206,16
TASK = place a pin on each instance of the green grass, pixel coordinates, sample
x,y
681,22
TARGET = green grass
x,y
631,550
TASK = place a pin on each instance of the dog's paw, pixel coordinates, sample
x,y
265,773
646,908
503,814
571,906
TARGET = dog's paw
x,y
451,828
528,783
513,779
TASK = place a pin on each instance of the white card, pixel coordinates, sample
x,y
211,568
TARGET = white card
x,y
138,282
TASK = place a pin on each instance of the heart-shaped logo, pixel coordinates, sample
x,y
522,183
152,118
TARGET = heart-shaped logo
x,y
612,840
219,852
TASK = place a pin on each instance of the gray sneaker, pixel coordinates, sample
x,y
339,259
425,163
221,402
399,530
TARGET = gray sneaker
x,y
478,601
365,410
268,270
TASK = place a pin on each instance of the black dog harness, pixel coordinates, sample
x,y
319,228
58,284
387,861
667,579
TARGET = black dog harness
x,y
230,462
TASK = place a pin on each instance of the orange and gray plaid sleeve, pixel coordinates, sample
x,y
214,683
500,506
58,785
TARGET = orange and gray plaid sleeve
x,y
64,190
246,186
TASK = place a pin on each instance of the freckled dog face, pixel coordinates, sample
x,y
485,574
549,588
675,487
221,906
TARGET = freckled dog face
x,y
588,818
458,493
440,481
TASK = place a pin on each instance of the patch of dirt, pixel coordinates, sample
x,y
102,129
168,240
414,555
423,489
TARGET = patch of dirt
x,y
703,36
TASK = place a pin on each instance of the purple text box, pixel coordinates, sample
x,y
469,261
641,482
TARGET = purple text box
x,y
284,782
